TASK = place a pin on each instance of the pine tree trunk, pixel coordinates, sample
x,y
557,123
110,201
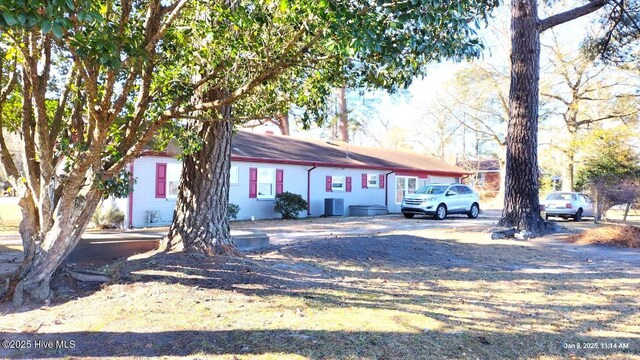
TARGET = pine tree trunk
x,y
343,118
200,220
45,250
521,207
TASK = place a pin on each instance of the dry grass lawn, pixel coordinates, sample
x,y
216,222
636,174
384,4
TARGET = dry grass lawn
x,y
619,236
10,215
410,294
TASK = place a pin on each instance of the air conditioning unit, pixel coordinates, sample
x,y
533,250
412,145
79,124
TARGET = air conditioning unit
x,y
334,207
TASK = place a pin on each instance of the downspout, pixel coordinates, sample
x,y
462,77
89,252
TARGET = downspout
x,y
309,189
386,193
131,197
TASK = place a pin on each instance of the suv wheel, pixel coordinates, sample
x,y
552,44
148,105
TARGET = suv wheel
x,y
408,215
474,211
441,212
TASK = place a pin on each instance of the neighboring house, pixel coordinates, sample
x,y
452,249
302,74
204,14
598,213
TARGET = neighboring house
x,y
15,147
264,165
485,174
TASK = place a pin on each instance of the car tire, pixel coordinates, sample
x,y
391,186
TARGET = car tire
x,y
441,212
474,211
578,215
546,218
408,215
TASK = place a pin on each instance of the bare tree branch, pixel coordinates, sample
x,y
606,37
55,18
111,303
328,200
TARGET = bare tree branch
x,y
572,14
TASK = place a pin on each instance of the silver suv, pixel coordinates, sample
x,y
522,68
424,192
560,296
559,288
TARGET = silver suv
x,y
440,200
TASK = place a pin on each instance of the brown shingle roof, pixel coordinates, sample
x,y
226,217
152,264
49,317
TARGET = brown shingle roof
x,y
250,146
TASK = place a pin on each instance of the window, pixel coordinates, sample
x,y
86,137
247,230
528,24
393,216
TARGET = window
x,y
422,182
338,183
372,180
461,190
233,175
561,196
266,183
173,180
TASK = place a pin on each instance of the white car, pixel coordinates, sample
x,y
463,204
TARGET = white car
x,y
440,200
568,205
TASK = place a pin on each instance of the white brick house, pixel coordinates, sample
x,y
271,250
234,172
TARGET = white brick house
x,y
264,165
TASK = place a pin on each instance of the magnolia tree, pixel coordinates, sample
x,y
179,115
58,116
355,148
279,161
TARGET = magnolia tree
x,y
97,80
328,45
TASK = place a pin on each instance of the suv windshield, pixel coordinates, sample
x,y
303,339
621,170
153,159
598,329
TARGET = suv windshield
x,y
432,189
560,196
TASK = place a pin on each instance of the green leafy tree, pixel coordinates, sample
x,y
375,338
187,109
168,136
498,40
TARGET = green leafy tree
x,y
611,170
324,45
118,72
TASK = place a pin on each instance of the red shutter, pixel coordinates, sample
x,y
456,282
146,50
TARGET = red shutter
x,y
161,180
279,181
348,183
329,181
365,184
253,183
381,181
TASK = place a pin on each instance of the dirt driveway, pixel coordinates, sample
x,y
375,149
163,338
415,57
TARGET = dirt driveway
x,y
356,288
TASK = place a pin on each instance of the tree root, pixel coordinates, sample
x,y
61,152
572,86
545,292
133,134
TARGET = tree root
x,y
87,275
5,288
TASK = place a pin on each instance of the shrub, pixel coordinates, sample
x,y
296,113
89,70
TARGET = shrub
x,y
232,211
289,205
110,218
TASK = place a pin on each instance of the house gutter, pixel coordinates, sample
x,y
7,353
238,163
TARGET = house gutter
x,y
386,193
309,189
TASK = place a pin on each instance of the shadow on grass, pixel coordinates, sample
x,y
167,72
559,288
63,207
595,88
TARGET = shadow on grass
x,y
495,292
308,343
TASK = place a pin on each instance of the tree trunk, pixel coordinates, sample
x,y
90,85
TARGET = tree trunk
x,y
343,116
626,212
503,170
200,220
567,177
521,208
596,206
283,124
45,250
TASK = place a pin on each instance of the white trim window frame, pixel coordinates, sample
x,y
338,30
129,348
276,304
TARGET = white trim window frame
x,y
338,183
173,180
373,181
234,176
266,183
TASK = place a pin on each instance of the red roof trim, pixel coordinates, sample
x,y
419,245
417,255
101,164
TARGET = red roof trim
x,y
338,165
323,164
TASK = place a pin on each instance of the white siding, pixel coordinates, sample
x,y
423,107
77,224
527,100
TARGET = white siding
x,y
294,181
436,179
357,196
144,193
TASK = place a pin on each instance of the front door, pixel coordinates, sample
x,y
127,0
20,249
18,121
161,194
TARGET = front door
x,y
405,185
